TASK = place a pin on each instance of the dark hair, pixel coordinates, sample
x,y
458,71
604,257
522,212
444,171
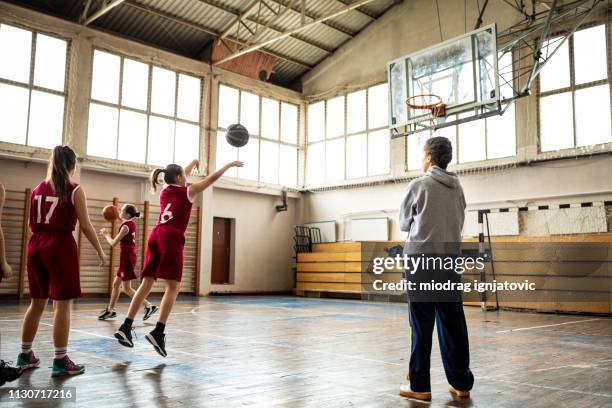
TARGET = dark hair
x,y
132,211
440,149
171,172
62,163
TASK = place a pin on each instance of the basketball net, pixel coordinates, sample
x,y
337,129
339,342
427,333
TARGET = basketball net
x,y
428,103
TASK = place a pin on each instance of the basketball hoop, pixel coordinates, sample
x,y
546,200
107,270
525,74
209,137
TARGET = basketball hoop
x,y
432,103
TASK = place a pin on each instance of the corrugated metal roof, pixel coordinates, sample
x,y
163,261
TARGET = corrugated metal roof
x,y
187,26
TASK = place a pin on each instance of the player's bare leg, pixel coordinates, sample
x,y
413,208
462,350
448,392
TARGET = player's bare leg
x,y
109,312
124,334
157,338
31,320
150,309
62,365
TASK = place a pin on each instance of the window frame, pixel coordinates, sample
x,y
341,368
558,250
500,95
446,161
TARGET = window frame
x,y
30,86
147,112
365,131
259,137
572,88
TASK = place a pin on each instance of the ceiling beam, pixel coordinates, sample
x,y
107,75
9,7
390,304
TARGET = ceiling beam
x,y
363,13
239,18
310,17
212,32
237,15
289,33
105,8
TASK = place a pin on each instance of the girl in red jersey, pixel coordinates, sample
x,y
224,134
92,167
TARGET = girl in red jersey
x,y
127,262
165,246
53,263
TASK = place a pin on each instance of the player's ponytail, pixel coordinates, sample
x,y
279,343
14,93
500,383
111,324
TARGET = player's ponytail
x,y
61,165
132,211
171,173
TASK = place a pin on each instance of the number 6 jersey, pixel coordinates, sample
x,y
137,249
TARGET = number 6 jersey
x,y
49,213
175,207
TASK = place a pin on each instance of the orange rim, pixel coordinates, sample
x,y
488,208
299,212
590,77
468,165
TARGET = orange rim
x,y
424,106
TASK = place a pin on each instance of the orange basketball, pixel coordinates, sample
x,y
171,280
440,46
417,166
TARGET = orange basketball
x,y
110,213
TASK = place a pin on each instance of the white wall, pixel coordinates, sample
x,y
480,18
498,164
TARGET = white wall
x,y
263,240
411,26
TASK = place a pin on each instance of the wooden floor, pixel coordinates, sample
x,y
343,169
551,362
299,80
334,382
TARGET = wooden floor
x,y
296,352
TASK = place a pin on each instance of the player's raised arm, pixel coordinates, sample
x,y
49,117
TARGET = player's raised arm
x,y
80,204
198,187
194,164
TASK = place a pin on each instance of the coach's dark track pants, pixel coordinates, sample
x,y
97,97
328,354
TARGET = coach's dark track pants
x,y
453,340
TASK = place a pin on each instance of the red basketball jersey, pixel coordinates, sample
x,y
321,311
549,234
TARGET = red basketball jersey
x,y
128,243
175,207
49,213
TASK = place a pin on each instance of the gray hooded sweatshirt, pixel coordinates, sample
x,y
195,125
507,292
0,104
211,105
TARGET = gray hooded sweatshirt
x,y
432,212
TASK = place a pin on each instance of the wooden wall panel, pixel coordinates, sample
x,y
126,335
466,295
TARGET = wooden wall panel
x,y
12,226
94,278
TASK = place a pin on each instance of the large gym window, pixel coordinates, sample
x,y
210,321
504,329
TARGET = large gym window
x,y
271,156
32,87
142,113
574,93
348,136
484,139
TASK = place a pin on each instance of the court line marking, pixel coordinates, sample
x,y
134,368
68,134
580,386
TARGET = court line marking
x,y
572,366
545,325
546,387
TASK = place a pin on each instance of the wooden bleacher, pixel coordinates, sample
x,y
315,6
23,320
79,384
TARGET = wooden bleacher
x,y
339,270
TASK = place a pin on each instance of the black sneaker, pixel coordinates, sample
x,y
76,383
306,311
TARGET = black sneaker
x,y
158,341
124,335
149,311
107,314
8,373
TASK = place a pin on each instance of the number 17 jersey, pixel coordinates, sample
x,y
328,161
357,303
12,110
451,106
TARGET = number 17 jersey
x,y
49,213
175,207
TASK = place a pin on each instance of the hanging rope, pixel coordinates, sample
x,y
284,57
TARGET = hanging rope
x,y
439,23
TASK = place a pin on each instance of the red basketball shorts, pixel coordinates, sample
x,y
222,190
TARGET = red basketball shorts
x,y
165,254
53,266
127,264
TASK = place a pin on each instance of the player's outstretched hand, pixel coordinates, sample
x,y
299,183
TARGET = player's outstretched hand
x,y
6,270
237,163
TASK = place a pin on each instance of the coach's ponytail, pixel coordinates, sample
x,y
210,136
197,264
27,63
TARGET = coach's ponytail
x,y
171,173
61,165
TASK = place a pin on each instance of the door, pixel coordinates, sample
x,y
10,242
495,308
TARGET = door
x,y
222,241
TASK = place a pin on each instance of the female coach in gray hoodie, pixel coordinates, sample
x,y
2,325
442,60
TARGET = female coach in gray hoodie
x,y
432,213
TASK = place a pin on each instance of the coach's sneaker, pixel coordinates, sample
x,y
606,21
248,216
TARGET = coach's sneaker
x,y
459,393
107,314
406,392
149,311
28,360
158,341
8,373
124,335
63,367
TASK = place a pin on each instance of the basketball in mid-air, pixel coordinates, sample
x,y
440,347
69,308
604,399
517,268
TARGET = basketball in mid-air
x,y
110,213
237,135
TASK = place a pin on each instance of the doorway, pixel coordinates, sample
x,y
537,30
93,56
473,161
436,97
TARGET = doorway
x,y
221,251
